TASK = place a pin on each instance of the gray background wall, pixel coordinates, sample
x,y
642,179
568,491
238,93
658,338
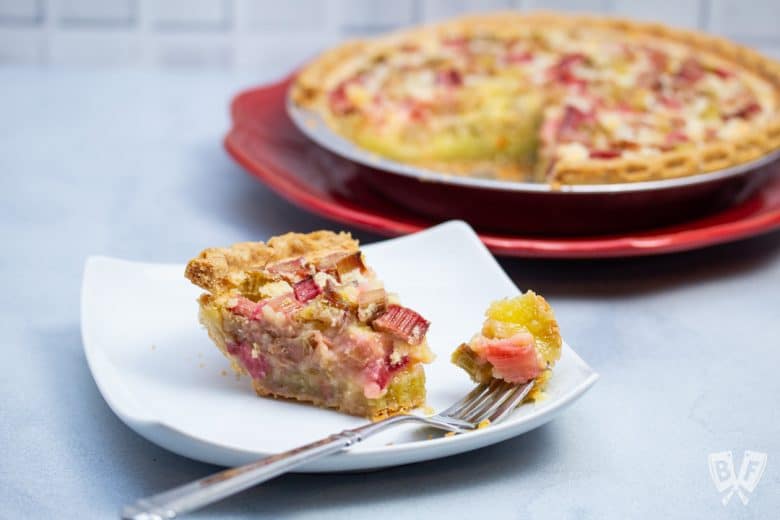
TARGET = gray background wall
x,y
251,33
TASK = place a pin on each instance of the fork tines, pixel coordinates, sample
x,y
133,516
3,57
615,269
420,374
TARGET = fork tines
x,y
492,402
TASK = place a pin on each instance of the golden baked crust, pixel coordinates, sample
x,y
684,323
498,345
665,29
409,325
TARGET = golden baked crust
x,y
392,408
218,269
313,83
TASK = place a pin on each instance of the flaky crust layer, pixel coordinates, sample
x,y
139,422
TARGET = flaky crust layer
x,y
316,79
219,270
375,415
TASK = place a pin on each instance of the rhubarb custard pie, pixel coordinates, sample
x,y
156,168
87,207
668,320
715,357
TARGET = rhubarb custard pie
x,y
551,98
307,319
519,342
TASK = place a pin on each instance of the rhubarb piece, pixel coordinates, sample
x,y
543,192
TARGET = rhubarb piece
x,y
295,315
519,342
372,302
350,264
605,154
690,71
563,71
745,112
290,270
242,307
339,99
449,78
306,289
514,359
403,323
327,263
284,304
519,57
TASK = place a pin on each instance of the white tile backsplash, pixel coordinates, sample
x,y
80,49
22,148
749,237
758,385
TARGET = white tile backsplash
x,y
190,15
94,48
758,19
679,13
772,51
360,15
191,50
435,10
574,6
254,33
19,45
261,52
273,15
104,13
21,12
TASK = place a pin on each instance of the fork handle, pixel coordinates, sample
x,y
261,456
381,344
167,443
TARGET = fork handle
x,y
208,490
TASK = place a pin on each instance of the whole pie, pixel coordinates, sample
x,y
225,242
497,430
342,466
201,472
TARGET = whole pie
x,y
519,343
306,318
547,97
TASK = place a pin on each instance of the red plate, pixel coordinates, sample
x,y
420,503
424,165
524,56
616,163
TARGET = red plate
x,y
270,147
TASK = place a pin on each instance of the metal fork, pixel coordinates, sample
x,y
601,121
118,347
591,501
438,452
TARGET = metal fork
x,y
491,402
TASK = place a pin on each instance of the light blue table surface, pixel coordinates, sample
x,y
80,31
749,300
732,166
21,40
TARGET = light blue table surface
x,y
129,163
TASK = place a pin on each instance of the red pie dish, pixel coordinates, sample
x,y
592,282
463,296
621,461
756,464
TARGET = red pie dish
x,y
586,222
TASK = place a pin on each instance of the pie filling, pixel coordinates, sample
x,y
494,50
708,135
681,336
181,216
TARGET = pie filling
x,y
524,102
325,331
519,342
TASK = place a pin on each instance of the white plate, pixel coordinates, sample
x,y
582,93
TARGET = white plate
x,y
161,375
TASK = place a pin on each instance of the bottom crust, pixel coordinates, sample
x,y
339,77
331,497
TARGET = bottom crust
x,y
382,408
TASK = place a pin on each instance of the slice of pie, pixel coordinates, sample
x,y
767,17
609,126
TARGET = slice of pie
x,y
519,342
307,319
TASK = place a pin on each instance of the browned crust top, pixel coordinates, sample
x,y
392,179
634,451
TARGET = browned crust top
x,y
313,81
219,269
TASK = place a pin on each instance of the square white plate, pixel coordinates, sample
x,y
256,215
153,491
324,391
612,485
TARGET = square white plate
x,y
161,375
